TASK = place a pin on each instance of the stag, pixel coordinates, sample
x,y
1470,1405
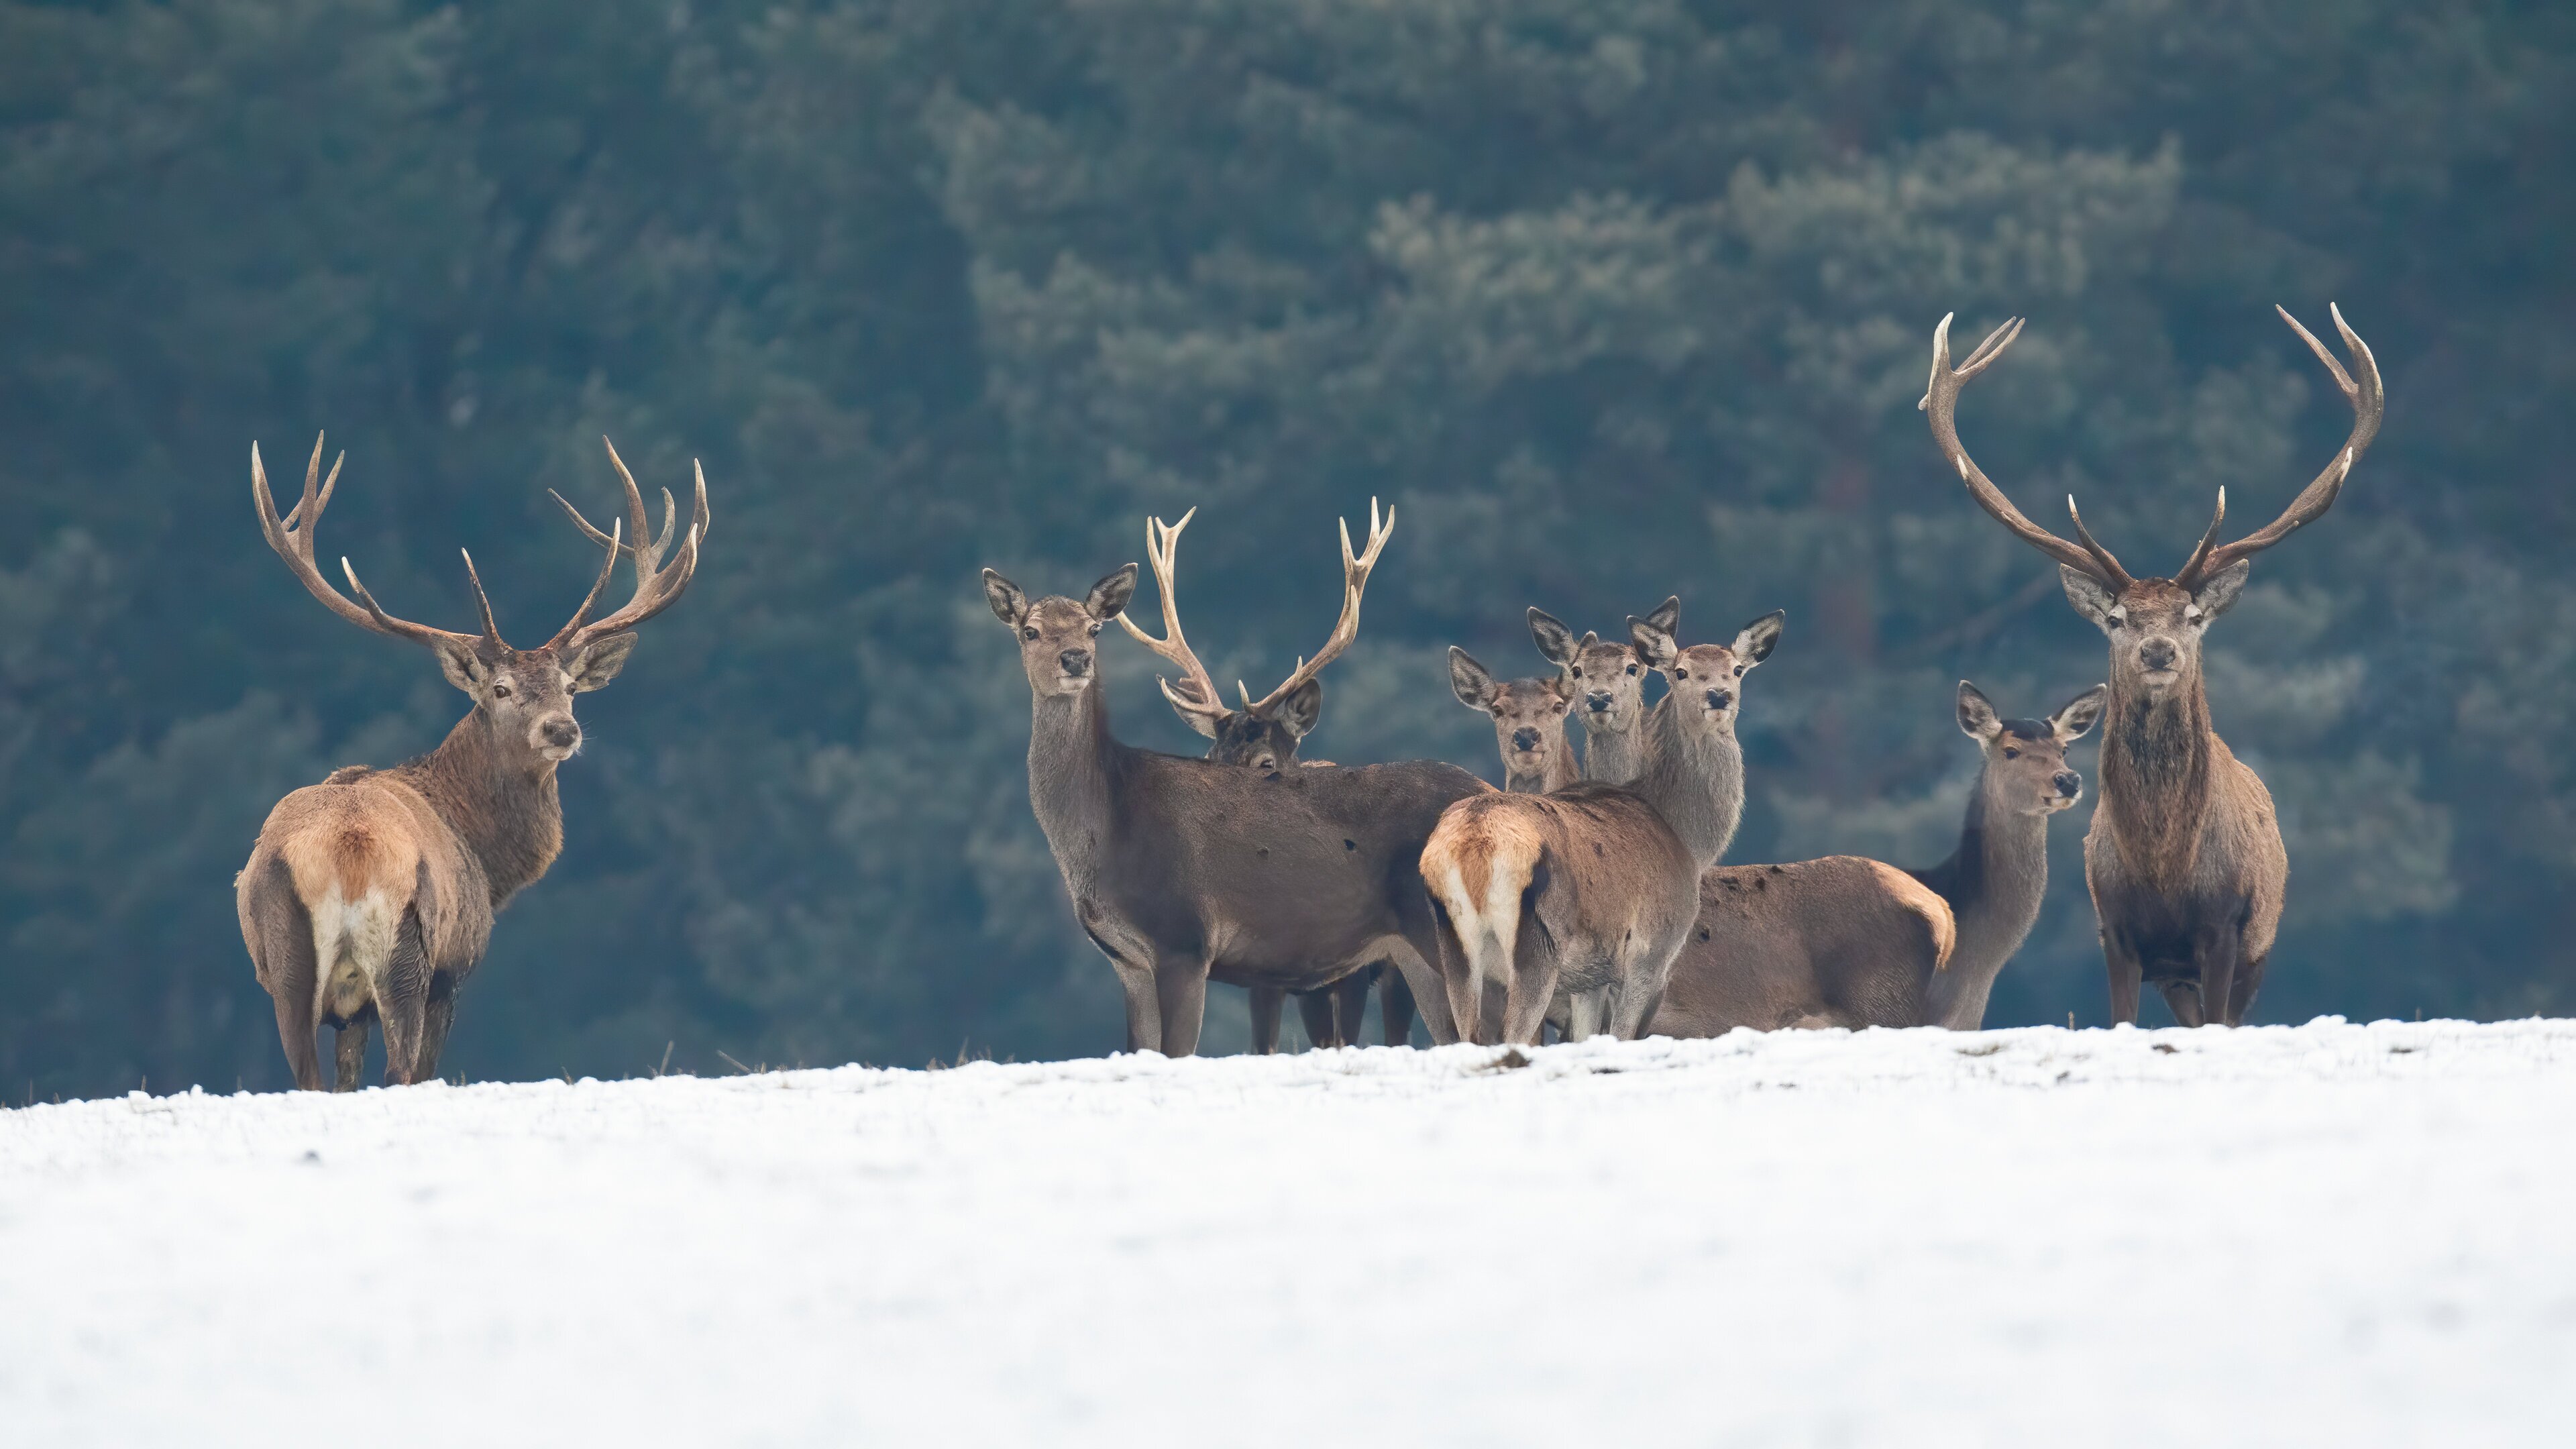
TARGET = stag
x,y
1591,890
1608,680
2184,859
370,897
1265,735
1996,878
1184,871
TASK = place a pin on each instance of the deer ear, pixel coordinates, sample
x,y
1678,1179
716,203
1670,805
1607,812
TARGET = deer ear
x,y
1667,615
2217,594
1471,681
1754,642
1108,598
1555,641
2070,723
463,667
1977,717
1299,711
2091,597
599,661
1654,646
1009,604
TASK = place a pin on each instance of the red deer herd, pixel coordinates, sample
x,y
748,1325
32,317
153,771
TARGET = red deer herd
x,y
1586,896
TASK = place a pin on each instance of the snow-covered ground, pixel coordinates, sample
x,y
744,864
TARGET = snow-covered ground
x,y
2331,1234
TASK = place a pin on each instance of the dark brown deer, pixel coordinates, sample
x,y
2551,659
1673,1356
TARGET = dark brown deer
x,y
1185,871
370,896
1529,723
1265,735
1594,888
1995,880
1841,941
2184,859
1608,681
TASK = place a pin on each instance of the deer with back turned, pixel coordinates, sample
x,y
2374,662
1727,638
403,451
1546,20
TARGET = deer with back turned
x,y
1265,735
2185,859
1183,871
370,897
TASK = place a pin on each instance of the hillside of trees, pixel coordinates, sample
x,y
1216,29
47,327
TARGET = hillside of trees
x,y
1610,299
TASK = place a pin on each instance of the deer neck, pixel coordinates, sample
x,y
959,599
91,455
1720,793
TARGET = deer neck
x,y
1695,780
1072,763
1556,774
500,801
1993,885
1613,757
2156,777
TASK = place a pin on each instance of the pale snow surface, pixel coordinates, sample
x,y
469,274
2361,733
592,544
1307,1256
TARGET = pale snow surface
x,y
2330,1234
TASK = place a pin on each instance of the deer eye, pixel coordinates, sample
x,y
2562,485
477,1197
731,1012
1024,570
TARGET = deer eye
x,y
1681,674
1095,631
2011,754
500,691
1028,631
1632,671
1739,671
1578,674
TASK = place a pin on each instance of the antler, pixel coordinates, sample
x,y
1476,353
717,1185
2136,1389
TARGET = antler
x,y
1355,572
657,585
2368,400
1196,699
1941,401
292,538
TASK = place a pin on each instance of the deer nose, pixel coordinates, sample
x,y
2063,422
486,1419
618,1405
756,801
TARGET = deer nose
x,y
1598,701
1076,662
2069,783
1525,739
1719,698
2157,654
561,732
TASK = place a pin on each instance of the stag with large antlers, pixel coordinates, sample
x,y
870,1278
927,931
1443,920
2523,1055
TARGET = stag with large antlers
x,y
1265,735
370,897
2185,858
1185,871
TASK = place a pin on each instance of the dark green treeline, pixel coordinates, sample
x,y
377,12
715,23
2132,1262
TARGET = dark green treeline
x,y
1611,298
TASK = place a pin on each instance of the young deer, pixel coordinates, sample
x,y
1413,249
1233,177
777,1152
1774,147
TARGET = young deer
x,y
1185,871
1608,682
1996,878
371,895
1592,889
1529,723
1265,735
2185,858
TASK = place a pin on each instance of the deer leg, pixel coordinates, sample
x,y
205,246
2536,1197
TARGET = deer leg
x,y
1136,981
2182,998
1531,987
402,1003
1350,1004
349,1054
2120,960
2217,953
2249,979
1633,1009
1583,1013
294,1002
1395,1007
1315,1012
435,1021
279,933
1267,1004
1180,984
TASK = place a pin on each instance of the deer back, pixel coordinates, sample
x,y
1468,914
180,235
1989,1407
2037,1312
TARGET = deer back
x,y
1841,941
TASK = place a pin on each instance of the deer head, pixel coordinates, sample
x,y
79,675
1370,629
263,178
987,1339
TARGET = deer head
x,y
1528,714
2026,770
1605,679
1059,637
2154,625
1265,733
1707,679
526,694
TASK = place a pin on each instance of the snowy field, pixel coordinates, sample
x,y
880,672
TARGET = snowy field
x,y
2330,1234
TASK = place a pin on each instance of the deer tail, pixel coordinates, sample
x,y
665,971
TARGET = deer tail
x,y
1922,900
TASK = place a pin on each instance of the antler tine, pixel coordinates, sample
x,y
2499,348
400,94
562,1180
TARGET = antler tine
x,y
1940,403
2363,389
491,630
291,537
2103,563
1196,701
2194,566
658,584
1355,576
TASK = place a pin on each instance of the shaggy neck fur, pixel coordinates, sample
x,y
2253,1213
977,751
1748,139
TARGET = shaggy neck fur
x,y
2155,777
1072,762
1694,778
499,797
1555,775
1993,882
1612,757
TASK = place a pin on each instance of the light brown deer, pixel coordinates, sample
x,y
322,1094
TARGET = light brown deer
x,y
1529,723
1997,877
1607,681
1185,871
371,895
2185,858
1265,735
1593,888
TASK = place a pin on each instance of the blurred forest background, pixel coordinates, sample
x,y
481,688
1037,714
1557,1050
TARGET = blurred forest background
x,y
1611,298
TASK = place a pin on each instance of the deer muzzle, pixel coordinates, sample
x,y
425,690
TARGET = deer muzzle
x,y
1718,698
1525,740
1076,663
